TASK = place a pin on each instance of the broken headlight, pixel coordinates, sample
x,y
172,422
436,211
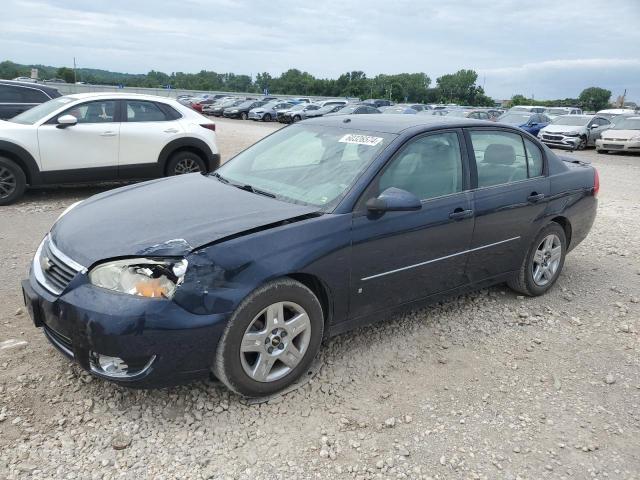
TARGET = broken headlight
x,y
145,277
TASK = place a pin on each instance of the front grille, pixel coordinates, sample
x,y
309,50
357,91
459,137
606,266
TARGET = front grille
x,y
59,340
613,146
552,137
53,269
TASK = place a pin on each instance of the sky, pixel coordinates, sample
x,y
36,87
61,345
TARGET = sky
x,y
547,49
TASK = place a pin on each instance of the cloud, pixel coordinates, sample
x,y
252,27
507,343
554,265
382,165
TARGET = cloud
x,y
513,45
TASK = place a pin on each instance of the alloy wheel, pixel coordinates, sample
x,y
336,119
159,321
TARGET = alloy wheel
x,y
275,341
546,260
7,182
186,165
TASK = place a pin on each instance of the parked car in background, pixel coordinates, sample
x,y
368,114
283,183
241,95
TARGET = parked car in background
x,y
25,79
476,114
332,101
527,108
216,109
55,80
17,97
269,111
242,110
355,109
575,132
103,136
553,112
376,213
494,113
527,121
199,103
298,112
399,109
623,136
322,111
377,102
614,112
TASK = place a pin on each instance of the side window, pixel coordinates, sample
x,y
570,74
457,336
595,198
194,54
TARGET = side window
x,y
500,157
143,111
30,95
534,158
10,94
429,166
101,111
483,116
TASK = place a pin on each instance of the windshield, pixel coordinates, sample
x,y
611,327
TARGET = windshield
x,y
306,164
34,114
346,110
571,120
458,113
514,118
555,111
627,124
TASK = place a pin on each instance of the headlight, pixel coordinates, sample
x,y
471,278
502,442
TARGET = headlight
x,y
635,139
234,111
145,277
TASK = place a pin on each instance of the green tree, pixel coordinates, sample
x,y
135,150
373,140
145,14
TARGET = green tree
x,y
594,98
459,87
66,74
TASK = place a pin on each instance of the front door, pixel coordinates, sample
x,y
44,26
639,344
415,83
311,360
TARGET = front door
x,y
87,150
398,257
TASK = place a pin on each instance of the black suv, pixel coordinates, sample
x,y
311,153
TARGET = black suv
x,y
16,97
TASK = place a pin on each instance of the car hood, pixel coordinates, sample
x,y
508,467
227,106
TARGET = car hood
x,y
621,134
165,217
563,128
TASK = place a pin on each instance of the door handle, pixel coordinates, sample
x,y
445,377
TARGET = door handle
x,y
459,214
171,130
108,134
535,197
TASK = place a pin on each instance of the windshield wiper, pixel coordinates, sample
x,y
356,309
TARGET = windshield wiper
x,y
251,189
219,177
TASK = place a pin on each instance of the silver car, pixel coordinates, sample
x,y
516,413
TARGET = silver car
x,y
575,132
269,111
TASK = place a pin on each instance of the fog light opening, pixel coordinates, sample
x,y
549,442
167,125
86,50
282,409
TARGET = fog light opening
x,y
116,367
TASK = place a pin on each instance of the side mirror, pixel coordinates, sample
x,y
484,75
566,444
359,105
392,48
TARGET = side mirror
x,y
394,200
594,125
66,121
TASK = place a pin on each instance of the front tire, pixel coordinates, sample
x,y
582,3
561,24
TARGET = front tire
x,y
297,118
13,181
270,340
582,144
543,263
244,116
185,162
267,117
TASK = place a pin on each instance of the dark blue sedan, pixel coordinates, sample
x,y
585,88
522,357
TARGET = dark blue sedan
x,y
528,121
323,226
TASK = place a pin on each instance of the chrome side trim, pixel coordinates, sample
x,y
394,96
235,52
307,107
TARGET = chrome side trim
x,y
464,252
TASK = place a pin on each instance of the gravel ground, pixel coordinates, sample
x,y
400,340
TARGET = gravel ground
x,y
484,386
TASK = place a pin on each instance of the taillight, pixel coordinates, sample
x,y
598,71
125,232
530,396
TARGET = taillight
x,y
596,183
209,126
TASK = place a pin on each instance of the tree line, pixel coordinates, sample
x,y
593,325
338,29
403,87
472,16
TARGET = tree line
x,y
459,87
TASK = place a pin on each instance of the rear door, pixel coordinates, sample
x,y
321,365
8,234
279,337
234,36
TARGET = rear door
x,y
86,151
596,126
512,193
399,257
146,128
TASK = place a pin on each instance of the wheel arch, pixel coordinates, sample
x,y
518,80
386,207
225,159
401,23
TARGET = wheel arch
x,y
23,159
193,145
566,226
321,291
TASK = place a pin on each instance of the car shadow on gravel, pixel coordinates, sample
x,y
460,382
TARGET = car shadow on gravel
x,y
66,192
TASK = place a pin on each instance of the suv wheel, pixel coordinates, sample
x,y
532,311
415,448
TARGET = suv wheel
x,y
270,340
185,162
12,181
244,115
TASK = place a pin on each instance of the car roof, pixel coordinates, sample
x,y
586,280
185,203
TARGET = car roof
x,y
116,95
390,123
44,88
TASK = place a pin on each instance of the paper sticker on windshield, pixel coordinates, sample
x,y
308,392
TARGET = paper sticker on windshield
x,y
361,139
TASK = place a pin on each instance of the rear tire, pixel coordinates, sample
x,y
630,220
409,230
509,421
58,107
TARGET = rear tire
x,y
13,181
543,262
185,162
270,340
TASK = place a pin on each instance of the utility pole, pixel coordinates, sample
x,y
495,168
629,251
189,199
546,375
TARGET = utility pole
x,y
75,78
624,95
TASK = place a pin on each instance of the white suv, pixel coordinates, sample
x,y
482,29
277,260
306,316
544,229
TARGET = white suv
x,y
102,136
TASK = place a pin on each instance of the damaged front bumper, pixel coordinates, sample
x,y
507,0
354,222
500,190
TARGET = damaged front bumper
x,y
134,341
